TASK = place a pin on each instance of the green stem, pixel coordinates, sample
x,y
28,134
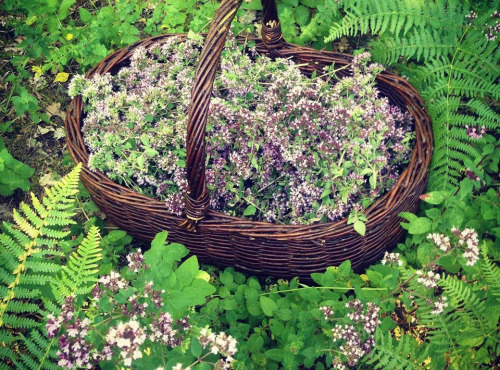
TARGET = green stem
x,y
321,287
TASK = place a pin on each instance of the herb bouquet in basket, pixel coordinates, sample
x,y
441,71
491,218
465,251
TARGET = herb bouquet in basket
x,y
271,157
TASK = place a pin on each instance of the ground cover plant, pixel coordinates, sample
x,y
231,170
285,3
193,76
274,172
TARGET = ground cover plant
x,y
431,303
281,147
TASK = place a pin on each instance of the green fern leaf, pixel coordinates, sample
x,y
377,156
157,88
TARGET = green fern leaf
x,y
80,274
27,252
391,354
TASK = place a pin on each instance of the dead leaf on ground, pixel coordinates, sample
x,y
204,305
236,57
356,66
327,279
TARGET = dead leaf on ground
x,y
59,133
55,110
42,130
47,180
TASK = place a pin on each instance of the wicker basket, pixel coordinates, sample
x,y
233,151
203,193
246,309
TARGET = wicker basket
x,y
256,247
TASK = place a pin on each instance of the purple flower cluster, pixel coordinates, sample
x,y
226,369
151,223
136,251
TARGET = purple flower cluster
x,y
291,148
440,240
73,350
368,316
428,279
131,323
127,338
327,311
493,30
468,238
219,344
474,131
354,348
390,258
136,261
356,342
440,305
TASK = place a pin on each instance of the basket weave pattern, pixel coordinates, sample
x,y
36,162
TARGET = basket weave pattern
x,y
256,247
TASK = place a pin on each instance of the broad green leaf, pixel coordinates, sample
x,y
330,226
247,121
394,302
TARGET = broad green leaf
x,y
302,15
85,15
250,210
360,227
434,197
275,354
64,8
255,342
268,305
421,225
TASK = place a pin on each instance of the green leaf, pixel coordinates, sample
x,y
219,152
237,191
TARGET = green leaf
x,y
421,225
360,227
64,8
275,354
449,264
85,15
388,324
196,349
187,271
252,5
312,3
250,210
344,268
408,216
268,305
276,327
425,253
255,342
302,15
466,187
116,235
434,197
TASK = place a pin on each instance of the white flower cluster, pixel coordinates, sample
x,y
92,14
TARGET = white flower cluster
x,y
127,337
220,343
113,281
440,305
442,241
468,238
392,258
327,311
429,279
177,367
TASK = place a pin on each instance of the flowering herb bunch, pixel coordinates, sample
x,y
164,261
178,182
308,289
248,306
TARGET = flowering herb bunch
x,y
281,146
129,321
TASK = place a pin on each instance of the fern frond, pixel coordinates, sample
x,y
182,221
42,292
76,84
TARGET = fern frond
x,y
39,350
490,271
391,354
442,331
42,266
488,116
421,44
80,274
457,75
468,304
19,322
6,340
20,307
20,254
26,293
394,17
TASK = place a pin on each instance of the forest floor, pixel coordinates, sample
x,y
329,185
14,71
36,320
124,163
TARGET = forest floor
x,y
40,145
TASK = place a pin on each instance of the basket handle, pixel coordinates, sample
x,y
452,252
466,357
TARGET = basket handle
x,y
197,198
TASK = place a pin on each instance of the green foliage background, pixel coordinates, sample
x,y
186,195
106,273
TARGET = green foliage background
x,y
277,323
